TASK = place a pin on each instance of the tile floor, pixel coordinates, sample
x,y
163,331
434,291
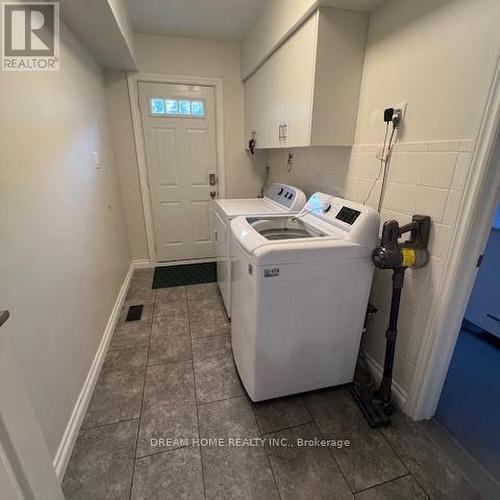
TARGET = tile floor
x,y
171,375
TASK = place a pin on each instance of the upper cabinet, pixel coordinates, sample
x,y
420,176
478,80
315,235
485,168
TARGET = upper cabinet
x,y
306,93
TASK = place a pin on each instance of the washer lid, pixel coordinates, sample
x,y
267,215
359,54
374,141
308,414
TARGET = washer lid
x,y
257,206
278,198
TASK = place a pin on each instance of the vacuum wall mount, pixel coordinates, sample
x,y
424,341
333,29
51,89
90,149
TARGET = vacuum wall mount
x,y
376,405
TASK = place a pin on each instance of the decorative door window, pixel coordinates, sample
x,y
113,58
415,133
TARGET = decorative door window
x,y
171,107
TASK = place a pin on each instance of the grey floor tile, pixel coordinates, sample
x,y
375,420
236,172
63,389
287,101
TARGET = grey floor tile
x,y
433,470
202,291
141,285
404,488
171,302
208,319
278,414
118,392
234,471
175,475
204,303
335,411
368,460
169,407
305,472
131,334
215,374
147,312
102,463
170,340
144,275
171,294
338,417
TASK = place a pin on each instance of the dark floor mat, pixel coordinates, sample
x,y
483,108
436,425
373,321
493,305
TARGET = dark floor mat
x,y
187,274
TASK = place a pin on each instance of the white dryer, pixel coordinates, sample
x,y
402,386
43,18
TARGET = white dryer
x,y
278,199
300,288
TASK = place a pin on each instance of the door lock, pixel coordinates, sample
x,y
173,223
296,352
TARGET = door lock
x,y
213,194
212,179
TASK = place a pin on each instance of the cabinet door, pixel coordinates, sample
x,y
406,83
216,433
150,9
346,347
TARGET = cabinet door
x,y
274,72
297,85
256,109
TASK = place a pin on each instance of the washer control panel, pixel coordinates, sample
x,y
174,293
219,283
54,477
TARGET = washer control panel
x,y
287,196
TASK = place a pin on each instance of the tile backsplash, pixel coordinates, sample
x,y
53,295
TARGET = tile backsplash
x,y
312,169
424,177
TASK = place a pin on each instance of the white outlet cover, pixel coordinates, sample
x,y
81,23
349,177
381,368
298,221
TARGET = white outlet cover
x,y
95,157
402,107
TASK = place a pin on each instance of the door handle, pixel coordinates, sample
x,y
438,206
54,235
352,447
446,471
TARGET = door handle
x,y
212,179
4,316
213,194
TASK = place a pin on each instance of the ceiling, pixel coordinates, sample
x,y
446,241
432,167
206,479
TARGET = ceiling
x,y
206,19
211,19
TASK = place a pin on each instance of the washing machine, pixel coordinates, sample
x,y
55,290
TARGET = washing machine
x,y
300,288
278,199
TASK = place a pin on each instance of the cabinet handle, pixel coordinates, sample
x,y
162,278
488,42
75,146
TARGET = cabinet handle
x,y
280,132
285,131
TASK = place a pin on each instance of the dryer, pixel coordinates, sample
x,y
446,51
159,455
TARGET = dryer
x,y
300,288
278,199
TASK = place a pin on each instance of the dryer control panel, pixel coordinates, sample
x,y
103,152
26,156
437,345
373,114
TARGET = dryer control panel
x,y
353,221
287,196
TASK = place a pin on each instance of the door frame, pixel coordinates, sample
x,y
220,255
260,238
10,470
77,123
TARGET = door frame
x,y
133,80
469,239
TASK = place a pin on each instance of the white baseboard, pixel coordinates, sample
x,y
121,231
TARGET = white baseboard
x,y
141,264
376,371
65,449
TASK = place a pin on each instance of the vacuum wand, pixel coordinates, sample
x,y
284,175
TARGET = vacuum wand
x,y
391,254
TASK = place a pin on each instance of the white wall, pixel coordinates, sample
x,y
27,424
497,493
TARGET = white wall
x,y
439,56
118,105
104,28
65,251
277,20
183,56
313,169
119,10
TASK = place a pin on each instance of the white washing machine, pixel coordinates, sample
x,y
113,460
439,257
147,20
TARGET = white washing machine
x,y
278,199
300,288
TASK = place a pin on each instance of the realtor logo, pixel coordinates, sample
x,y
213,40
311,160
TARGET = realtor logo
x,y
30,36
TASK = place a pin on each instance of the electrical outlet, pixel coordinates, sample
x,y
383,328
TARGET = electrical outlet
x,y
401,106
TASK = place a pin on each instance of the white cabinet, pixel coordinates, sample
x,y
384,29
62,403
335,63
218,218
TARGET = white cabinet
x,y
306,93
256,109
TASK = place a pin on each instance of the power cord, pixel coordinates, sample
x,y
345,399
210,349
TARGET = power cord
x,y
387,165
381,165
393,116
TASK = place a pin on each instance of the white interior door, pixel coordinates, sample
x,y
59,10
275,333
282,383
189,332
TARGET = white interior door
x,y
180,140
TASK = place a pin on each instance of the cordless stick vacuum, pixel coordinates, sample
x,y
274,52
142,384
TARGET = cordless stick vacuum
x,y
391,254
